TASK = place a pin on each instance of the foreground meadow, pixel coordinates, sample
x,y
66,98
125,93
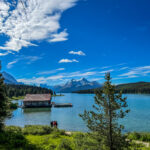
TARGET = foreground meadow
x,y
37,137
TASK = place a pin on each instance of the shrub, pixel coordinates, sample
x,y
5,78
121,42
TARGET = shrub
x,y
55,135
37,129
145,137
14,129
65,144
139,136
85,141
12,137
134,136
52,146
13,105
62,132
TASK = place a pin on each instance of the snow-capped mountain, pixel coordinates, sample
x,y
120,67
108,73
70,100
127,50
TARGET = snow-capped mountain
x,y
70,86
9,79
75,85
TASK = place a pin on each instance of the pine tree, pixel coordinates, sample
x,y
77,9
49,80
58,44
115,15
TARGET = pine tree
x,y
4,107
109,107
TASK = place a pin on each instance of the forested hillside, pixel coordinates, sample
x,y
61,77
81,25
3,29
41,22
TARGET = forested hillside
x,y
21,90
138,87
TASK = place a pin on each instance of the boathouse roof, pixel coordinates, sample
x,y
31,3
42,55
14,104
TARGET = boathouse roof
x,y
37,97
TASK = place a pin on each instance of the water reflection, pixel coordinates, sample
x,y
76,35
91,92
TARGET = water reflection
x,y
68,118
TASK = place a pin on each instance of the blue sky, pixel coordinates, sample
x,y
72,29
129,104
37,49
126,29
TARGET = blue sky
x,y
50,42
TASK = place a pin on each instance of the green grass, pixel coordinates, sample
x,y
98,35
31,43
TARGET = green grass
x,y
17,98
58,95
52,140
145,137
38,137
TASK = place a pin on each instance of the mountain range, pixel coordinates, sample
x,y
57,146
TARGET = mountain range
x,y
137,87
84,86
74,85
70,86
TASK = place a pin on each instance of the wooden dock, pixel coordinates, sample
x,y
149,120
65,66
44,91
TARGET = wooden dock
x,y
62,105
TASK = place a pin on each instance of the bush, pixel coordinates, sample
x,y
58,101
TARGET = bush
x,y
56,135
13,105
13,138
52,147
14,129
139,136
65,144
145,137
85,141
62,132
37,129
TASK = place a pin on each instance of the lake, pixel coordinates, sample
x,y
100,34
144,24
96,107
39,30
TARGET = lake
x,y
68,118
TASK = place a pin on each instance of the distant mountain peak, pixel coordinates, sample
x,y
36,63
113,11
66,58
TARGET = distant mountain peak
x,y
72,80
8,78
74,85
84,79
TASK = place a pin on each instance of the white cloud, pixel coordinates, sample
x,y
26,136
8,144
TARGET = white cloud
x,y
50,71
33,21
97,79
77,53
37,81
90,69
40,80
121,64
4,7
105,67
4,54
68,60
10,64
58,37
93,75
137,71
57,77
60,69
79,74
105,71
123,68
29,59
129,73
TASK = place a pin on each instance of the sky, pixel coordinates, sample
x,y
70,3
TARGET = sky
x,y
51,42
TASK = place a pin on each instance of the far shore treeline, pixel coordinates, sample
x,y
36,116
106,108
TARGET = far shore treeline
x,y
22,90
134,88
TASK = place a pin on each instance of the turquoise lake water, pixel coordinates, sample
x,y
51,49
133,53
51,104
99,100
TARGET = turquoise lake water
x,y
137,120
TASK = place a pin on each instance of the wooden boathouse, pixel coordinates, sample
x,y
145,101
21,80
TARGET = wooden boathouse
x,y
37,100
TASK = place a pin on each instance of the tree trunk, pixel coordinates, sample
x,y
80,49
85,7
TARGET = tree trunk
x,y
110,127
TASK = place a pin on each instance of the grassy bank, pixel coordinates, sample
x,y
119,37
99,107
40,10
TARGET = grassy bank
x,y
46,138
58,95
39,138
16,98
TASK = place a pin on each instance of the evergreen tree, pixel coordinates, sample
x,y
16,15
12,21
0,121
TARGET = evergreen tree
x,y
4,106
109,107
